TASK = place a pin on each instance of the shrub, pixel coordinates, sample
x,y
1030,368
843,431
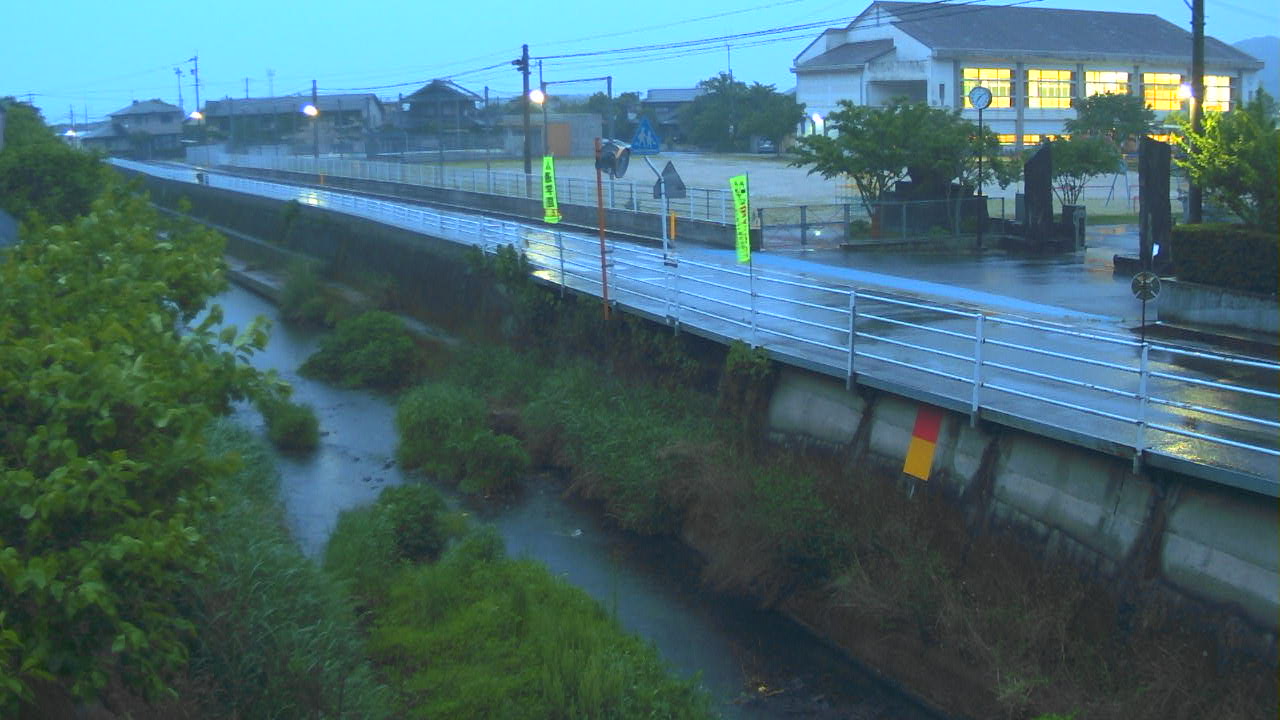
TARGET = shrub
x,y
858,229
745,386
493,462
1230,256
787,513
443,431
416,514
372,350
304,299
290,426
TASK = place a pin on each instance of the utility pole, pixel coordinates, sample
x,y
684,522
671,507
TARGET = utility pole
x,y
195,74
177,71
522,64
1194,198
315,123
542,85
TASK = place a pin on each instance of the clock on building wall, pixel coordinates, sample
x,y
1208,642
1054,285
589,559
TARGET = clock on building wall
x,y
980,97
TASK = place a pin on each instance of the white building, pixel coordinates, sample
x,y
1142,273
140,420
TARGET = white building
x,y
1034,61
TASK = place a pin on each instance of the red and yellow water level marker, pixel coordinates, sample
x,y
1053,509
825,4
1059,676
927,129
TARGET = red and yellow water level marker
x,y
924,440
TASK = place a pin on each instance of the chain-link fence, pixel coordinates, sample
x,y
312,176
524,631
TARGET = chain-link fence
x,y
945,223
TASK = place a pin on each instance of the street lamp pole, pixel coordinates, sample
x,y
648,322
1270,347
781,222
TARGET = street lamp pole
x,y
315,124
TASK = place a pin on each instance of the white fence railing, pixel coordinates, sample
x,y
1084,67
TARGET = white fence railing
x,y
1210,410
711,204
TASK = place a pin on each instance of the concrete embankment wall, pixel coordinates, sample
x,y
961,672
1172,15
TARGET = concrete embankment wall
x,y
1156,532
1190,541
1193,303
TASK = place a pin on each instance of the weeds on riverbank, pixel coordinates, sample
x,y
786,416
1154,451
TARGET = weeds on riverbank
x,y
444,431
291,427
373,350
477,634
274,635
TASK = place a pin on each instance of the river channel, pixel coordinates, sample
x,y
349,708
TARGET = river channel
x,y
754,663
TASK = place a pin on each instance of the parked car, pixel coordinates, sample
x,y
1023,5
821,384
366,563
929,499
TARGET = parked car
x,y
765,146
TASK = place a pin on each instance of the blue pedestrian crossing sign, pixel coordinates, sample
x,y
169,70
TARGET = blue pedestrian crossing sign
x,y
646,141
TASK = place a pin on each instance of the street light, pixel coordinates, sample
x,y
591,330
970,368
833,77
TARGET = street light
x,y
817,122
538,96
311,111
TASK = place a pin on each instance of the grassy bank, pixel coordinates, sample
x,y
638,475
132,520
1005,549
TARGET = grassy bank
x,y
667,434
463,631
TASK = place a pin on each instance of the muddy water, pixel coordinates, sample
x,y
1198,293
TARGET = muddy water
x,y
755,664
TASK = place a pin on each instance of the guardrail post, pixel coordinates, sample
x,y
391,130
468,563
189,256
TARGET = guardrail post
x,y
560,249
1141,440
675,287
634,207
978,340
853,333
804,224
724,219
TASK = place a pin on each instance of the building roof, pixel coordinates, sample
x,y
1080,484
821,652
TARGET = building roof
x,y
287,104
848,55
446,87
145,107
1049,32
674,95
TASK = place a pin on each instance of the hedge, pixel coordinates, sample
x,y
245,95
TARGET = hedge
x,y
1225,255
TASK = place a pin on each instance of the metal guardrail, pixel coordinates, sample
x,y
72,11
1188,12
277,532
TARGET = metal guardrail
x,y
710,204
1156,400
887,222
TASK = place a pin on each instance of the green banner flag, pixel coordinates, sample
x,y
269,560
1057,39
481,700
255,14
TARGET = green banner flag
x,y
550,209
741,217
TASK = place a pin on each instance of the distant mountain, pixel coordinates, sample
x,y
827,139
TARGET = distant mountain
x,y
1266,49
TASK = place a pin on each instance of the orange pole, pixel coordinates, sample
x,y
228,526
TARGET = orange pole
x,y
604,277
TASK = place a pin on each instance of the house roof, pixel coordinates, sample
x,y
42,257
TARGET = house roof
x,y
145,107
1048,32
847,55
287,104
673,95
441,86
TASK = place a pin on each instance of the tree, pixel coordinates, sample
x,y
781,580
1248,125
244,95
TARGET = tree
x,y
1234,160
1078,160
104,401
879,146
729,113
771,114
41,176
1115,117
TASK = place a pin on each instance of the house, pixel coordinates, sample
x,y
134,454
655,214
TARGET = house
x,y
1034,60
145,128
104,136
665,105
442,106
344,120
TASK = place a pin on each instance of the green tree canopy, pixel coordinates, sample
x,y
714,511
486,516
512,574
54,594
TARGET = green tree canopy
x,y
879,146
41,176
730,112
1078,160
1112,116
1234,160
104,400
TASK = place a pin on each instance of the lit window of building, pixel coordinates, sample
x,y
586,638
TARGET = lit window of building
x,y
1100,82
1049,88
1217,92
1007,139
998,80
1160,91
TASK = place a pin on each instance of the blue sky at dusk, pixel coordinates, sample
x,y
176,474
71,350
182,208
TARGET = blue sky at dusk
x,y
100,56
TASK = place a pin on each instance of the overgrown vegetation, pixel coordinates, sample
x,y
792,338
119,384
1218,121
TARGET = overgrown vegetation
x,y
373,350
275,636
104,401
306,299
477,634
1236,159
443,431
42,178
290,426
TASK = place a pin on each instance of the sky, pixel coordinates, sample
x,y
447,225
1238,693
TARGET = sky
x,y
96,57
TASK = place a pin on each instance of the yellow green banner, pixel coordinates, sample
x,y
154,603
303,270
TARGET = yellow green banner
x,y
741,216
550,209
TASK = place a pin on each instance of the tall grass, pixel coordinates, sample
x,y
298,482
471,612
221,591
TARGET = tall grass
x,y
275,635
372,350
477,634
290,426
